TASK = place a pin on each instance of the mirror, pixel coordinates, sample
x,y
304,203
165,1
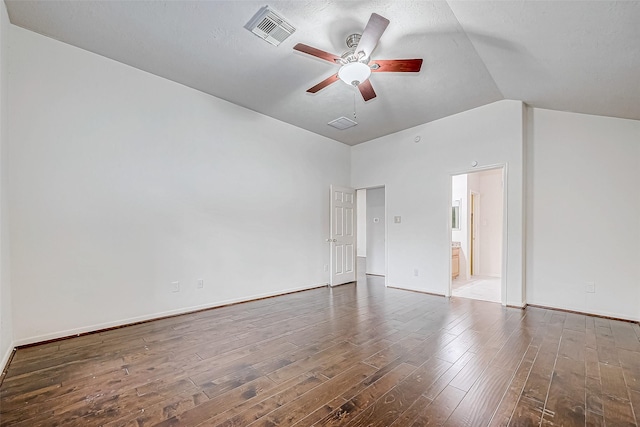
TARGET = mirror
x,y
455,215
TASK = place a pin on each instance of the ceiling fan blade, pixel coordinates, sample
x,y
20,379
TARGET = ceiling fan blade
x,y
371,34
326,82
367,90
316,52
396,65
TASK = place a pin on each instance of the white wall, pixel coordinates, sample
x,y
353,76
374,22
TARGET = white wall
x,y
123,182
361,222
375,231
583,208
473,186
6,324
488,185
120,182
459,192
417,183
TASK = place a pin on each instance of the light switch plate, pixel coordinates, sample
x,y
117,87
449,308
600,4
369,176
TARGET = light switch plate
x,y
590,287
397,219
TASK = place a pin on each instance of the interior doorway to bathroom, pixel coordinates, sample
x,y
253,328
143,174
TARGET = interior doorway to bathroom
x,y
477,234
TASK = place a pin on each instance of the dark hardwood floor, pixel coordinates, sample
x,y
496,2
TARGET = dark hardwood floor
x,y
355,355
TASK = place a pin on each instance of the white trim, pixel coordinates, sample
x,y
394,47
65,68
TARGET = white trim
x,y
419,290
386,232
582,310
185,310
505,235
6,357
517,304
478,169
386,238
449,289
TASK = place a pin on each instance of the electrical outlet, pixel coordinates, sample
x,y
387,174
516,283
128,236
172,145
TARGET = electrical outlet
x,y
175,286
200,284
416,272
326,267
590,287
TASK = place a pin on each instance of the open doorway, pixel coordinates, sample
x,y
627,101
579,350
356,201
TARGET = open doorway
x,y
371,234
477,234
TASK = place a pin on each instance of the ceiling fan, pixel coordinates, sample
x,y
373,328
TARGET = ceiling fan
x,y
356,64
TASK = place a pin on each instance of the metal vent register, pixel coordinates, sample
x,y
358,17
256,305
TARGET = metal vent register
x,y
342,123
270,26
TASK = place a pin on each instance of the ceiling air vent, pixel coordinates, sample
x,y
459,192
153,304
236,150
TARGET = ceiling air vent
x,y
342,123
270,26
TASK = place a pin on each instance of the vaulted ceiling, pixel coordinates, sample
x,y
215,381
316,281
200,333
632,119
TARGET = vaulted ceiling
x,y
579,56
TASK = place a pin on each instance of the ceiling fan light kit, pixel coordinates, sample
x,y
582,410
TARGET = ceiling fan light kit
x,y
355,64
354,73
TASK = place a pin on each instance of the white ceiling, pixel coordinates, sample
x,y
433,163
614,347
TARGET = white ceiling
x,y
579,56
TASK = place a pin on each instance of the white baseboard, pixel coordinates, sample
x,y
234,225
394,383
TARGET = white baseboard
x,y
602,313
153,316
421,290
6,357
514,304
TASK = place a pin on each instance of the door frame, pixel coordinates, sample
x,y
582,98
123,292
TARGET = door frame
x,y
386,231
505,223
474,244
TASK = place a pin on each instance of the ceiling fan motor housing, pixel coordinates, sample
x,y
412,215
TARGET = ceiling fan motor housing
x,y
353,40
350,55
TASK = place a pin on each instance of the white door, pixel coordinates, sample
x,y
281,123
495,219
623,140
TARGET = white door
x,y
343,235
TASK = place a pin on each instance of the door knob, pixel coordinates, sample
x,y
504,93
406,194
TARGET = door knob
x,y
335,240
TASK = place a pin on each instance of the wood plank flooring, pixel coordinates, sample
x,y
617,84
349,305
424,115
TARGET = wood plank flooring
x,y
355,355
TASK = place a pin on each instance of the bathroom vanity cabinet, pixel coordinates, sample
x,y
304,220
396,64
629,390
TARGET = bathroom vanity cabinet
x,y
455,262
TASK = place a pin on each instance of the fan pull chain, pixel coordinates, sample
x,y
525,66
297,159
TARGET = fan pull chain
x,y
354,105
